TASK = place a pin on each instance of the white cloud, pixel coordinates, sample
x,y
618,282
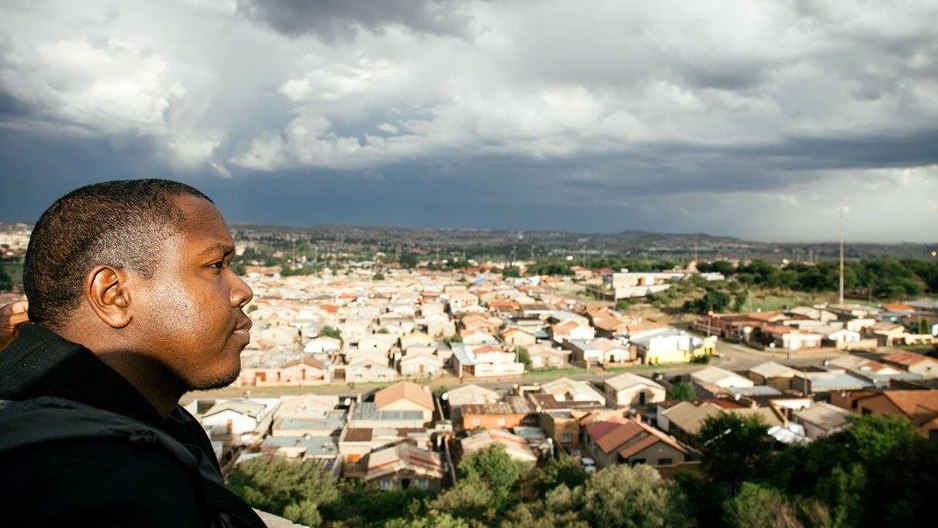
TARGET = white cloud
x,y
635,98
113,88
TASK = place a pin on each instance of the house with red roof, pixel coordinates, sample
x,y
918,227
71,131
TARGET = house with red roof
x,y
919,406
915,363
406,396
627,441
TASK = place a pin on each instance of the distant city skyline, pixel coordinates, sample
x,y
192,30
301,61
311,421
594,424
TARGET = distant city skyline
x,y
755,120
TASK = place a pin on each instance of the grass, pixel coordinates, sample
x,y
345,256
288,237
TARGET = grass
x,y
774,301
547,373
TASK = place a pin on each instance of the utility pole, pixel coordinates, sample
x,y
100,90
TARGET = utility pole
x,y
841,255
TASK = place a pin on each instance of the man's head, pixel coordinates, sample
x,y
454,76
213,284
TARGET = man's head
x,y
117,223
138,271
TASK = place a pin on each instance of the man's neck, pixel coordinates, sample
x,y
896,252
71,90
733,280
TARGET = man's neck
x,y
161,388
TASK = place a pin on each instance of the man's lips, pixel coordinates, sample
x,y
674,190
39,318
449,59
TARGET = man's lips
x,y
244,327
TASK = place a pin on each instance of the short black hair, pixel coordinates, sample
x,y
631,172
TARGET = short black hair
x,y
117,223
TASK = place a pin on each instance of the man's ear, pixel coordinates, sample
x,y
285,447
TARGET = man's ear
x,y
108,294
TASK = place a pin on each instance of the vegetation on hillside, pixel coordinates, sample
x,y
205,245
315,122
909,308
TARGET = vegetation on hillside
x,y
879,472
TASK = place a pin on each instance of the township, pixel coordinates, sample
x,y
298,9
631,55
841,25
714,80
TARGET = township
x,y
381,343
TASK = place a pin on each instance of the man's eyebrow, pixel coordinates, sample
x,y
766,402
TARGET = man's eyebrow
x,y
219,247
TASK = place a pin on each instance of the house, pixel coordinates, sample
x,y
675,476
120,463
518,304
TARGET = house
x,y
582,352
914,363
684,419
248,418
366,415
817,314
517,337
919,406
439,325
563,427
821,419
827,379
516,446
328,425
459,300
303,372
323,449
719,377
420,362
402,466
613,351
503,306
881,374
841,338
670,345
588,352
323,345
307,406
512,412
639,284
356,442
888,334
480,323
571,330
475,337
785,337
630,390
377,343
415,339
626,441
367,368
486,361
546,356
470,394
566,389
406,396
772,374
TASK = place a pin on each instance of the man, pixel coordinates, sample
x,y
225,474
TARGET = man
x,y
131,304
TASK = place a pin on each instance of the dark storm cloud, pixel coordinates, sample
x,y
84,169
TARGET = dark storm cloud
x,y
339,20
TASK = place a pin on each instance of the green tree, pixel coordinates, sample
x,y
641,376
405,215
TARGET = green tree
x,y
739,300
682,391
330,331
735,448
523,357
758,505
713,300
364,506
634,497
873,437
511,271
470,499
433,519
408,260
378,276
561,470
6,283
538,515
494,467
293,489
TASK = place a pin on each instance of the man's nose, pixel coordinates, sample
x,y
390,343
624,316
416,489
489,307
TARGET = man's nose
x,y
241,293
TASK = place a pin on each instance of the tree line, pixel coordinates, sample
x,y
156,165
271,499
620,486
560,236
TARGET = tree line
x,y
878,472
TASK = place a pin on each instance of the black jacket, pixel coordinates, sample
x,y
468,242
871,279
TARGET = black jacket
x,y
102,480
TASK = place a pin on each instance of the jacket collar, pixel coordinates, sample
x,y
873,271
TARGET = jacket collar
x,y
39,362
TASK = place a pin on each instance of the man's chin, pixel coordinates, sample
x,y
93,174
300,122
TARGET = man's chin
x,y
221,381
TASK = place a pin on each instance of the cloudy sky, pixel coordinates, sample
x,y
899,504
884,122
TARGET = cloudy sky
x,y
749,118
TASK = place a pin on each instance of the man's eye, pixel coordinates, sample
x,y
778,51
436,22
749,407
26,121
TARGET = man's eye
x,y
217,265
